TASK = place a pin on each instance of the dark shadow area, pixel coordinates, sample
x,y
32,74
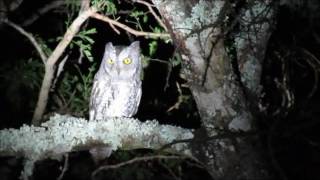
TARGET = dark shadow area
x,y
291,88
291,99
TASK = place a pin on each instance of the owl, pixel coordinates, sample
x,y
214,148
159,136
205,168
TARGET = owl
x,y
116,90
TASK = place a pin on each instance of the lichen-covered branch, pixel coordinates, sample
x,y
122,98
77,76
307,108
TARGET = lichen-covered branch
x,y
63,134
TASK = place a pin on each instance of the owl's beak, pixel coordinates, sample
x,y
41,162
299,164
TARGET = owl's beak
x,y
118,70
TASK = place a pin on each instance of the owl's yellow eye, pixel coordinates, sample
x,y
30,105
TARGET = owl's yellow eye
x,y
110,61
127,61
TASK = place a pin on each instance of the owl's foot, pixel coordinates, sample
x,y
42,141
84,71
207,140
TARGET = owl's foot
x,y
100,153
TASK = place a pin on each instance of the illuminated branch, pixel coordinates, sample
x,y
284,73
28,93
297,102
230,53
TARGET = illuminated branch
x,y
50,64
127,28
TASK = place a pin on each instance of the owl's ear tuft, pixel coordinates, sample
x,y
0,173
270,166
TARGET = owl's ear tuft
x,y
135,45
109,46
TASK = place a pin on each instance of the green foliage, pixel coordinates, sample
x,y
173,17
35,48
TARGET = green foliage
x,y
73,5
138,15
84,42
73,93
82,39
145,61
153,46
106,6
159,29
175,60
44,45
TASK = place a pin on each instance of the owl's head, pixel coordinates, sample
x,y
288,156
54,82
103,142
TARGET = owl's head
x,y
122,62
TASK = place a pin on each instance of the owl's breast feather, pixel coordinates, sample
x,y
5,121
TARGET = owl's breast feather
x,y
126,98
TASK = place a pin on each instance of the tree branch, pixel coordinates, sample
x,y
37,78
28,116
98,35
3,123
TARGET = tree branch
x,y
30,37
153,13
50,64
127,28
63,134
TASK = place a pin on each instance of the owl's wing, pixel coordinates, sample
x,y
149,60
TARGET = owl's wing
x,y
94,99
136,100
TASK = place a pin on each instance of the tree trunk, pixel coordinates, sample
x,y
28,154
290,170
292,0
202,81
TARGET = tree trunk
x,y
197,28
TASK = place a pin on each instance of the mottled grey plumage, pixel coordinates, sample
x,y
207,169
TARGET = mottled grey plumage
x,y
116,90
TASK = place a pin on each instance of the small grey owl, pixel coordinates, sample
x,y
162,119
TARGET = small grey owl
x,y
116,90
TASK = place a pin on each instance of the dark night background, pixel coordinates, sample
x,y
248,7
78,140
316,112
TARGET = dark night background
x,y
290,135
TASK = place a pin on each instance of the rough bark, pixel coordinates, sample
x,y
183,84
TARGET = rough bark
x,y
196,28
251,42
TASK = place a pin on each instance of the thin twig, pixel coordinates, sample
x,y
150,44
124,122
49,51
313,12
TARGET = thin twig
x,y
226,135
59,70
31,39
160,61
153,13
138,159
127,28
114,28
65,166
169,67
180,99
80,56
314,62
170,171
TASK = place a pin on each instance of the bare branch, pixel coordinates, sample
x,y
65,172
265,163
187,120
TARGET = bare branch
x,y
85,4
114,28
153,13
50,64
65,167
60,69
70,33
127,28
179,101
31,39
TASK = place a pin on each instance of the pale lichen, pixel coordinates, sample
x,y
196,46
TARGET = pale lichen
x,y
62,134
202,14
250,42
241,122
